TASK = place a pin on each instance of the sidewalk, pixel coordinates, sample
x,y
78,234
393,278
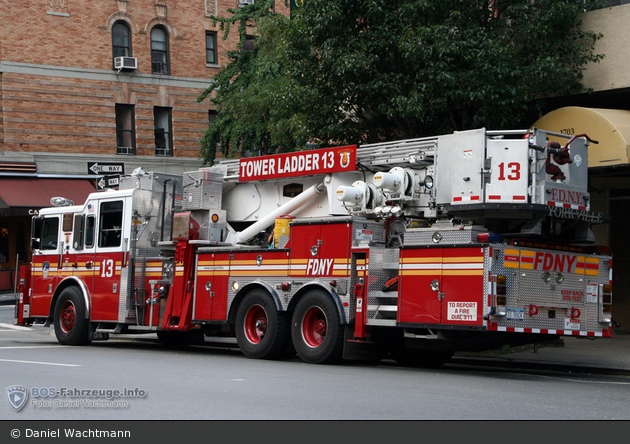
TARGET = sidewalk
x,y
611,354
601,353
7,298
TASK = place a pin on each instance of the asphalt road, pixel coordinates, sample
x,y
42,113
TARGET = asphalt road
x,y
209,383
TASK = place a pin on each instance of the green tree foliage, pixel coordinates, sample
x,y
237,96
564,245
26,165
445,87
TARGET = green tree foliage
x,y
238,91
359,71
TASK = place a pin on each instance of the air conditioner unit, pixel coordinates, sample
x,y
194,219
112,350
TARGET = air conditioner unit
x,y
126,63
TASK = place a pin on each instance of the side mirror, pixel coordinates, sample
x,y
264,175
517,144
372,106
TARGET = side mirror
x,y
36,232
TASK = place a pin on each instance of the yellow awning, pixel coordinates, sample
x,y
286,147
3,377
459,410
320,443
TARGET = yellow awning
x,y
610,127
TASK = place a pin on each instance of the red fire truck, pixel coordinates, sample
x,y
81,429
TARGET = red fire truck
x,y
410,249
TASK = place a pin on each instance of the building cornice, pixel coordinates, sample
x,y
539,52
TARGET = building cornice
x,y
102,75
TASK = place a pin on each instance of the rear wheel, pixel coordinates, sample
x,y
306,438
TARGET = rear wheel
x,y
262,332
71,325
316,329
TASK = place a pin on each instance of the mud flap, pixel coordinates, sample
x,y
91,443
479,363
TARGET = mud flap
x,y
97,335
358,350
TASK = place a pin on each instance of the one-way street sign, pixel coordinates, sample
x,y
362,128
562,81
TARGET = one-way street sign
x,y
108,182
105,168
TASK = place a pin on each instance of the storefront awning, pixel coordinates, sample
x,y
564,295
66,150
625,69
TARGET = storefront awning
x,y
20,196
610,127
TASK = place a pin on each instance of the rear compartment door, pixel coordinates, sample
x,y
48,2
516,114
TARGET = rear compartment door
x,y
462,286
442,286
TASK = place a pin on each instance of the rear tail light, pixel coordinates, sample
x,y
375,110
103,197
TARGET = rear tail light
x,y
501,295
605,303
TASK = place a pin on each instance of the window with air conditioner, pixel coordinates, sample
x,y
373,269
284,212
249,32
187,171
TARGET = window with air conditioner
x,y
125,63
121,41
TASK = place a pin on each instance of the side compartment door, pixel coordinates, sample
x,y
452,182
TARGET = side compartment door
x,y
304,239
110,257
336,247
420,287
211,287
463,286
320,250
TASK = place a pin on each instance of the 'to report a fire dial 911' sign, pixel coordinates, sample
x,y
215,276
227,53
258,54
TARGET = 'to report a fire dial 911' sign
x,y
302,163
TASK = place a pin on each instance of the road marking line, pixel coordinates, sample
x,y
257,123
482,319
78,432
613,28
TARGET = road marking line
x,y
587,381
14,327
41,363
32,346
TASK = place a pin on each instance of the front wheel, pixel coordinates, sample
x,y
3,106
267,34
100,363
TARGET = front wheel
x,y
316,329
262,332
71,325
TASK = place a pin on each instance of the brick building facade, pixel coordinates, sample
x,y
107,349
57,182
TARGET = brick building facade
x,y
67,112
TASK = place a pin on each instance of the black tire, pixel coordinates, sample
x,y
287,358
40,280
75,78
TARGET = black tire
x,y
262,332
316,329
71,326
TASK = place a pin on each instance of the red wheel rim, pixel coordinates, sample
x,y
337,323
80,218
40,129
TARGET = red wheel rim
x,y
255,324
314,327
67,316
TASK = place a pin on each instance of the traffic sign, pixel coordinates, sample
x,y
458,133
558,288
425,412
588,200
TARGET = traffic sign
x,y
107,182
106,168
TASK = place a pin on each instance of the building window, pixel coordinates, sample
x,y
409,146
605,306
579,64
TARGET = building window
x,y
159,51
13,245
121,40
248,44
610,3
211,48
242,3
5,255
163,131
125,129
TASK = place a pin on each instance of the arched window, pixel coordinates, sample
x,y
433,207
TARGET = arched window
x,y
159,51
121,40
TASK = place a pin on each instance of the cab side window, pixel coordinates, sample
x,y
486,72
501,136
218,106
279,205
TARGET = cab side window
x,y
50,233
110,226
89,231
